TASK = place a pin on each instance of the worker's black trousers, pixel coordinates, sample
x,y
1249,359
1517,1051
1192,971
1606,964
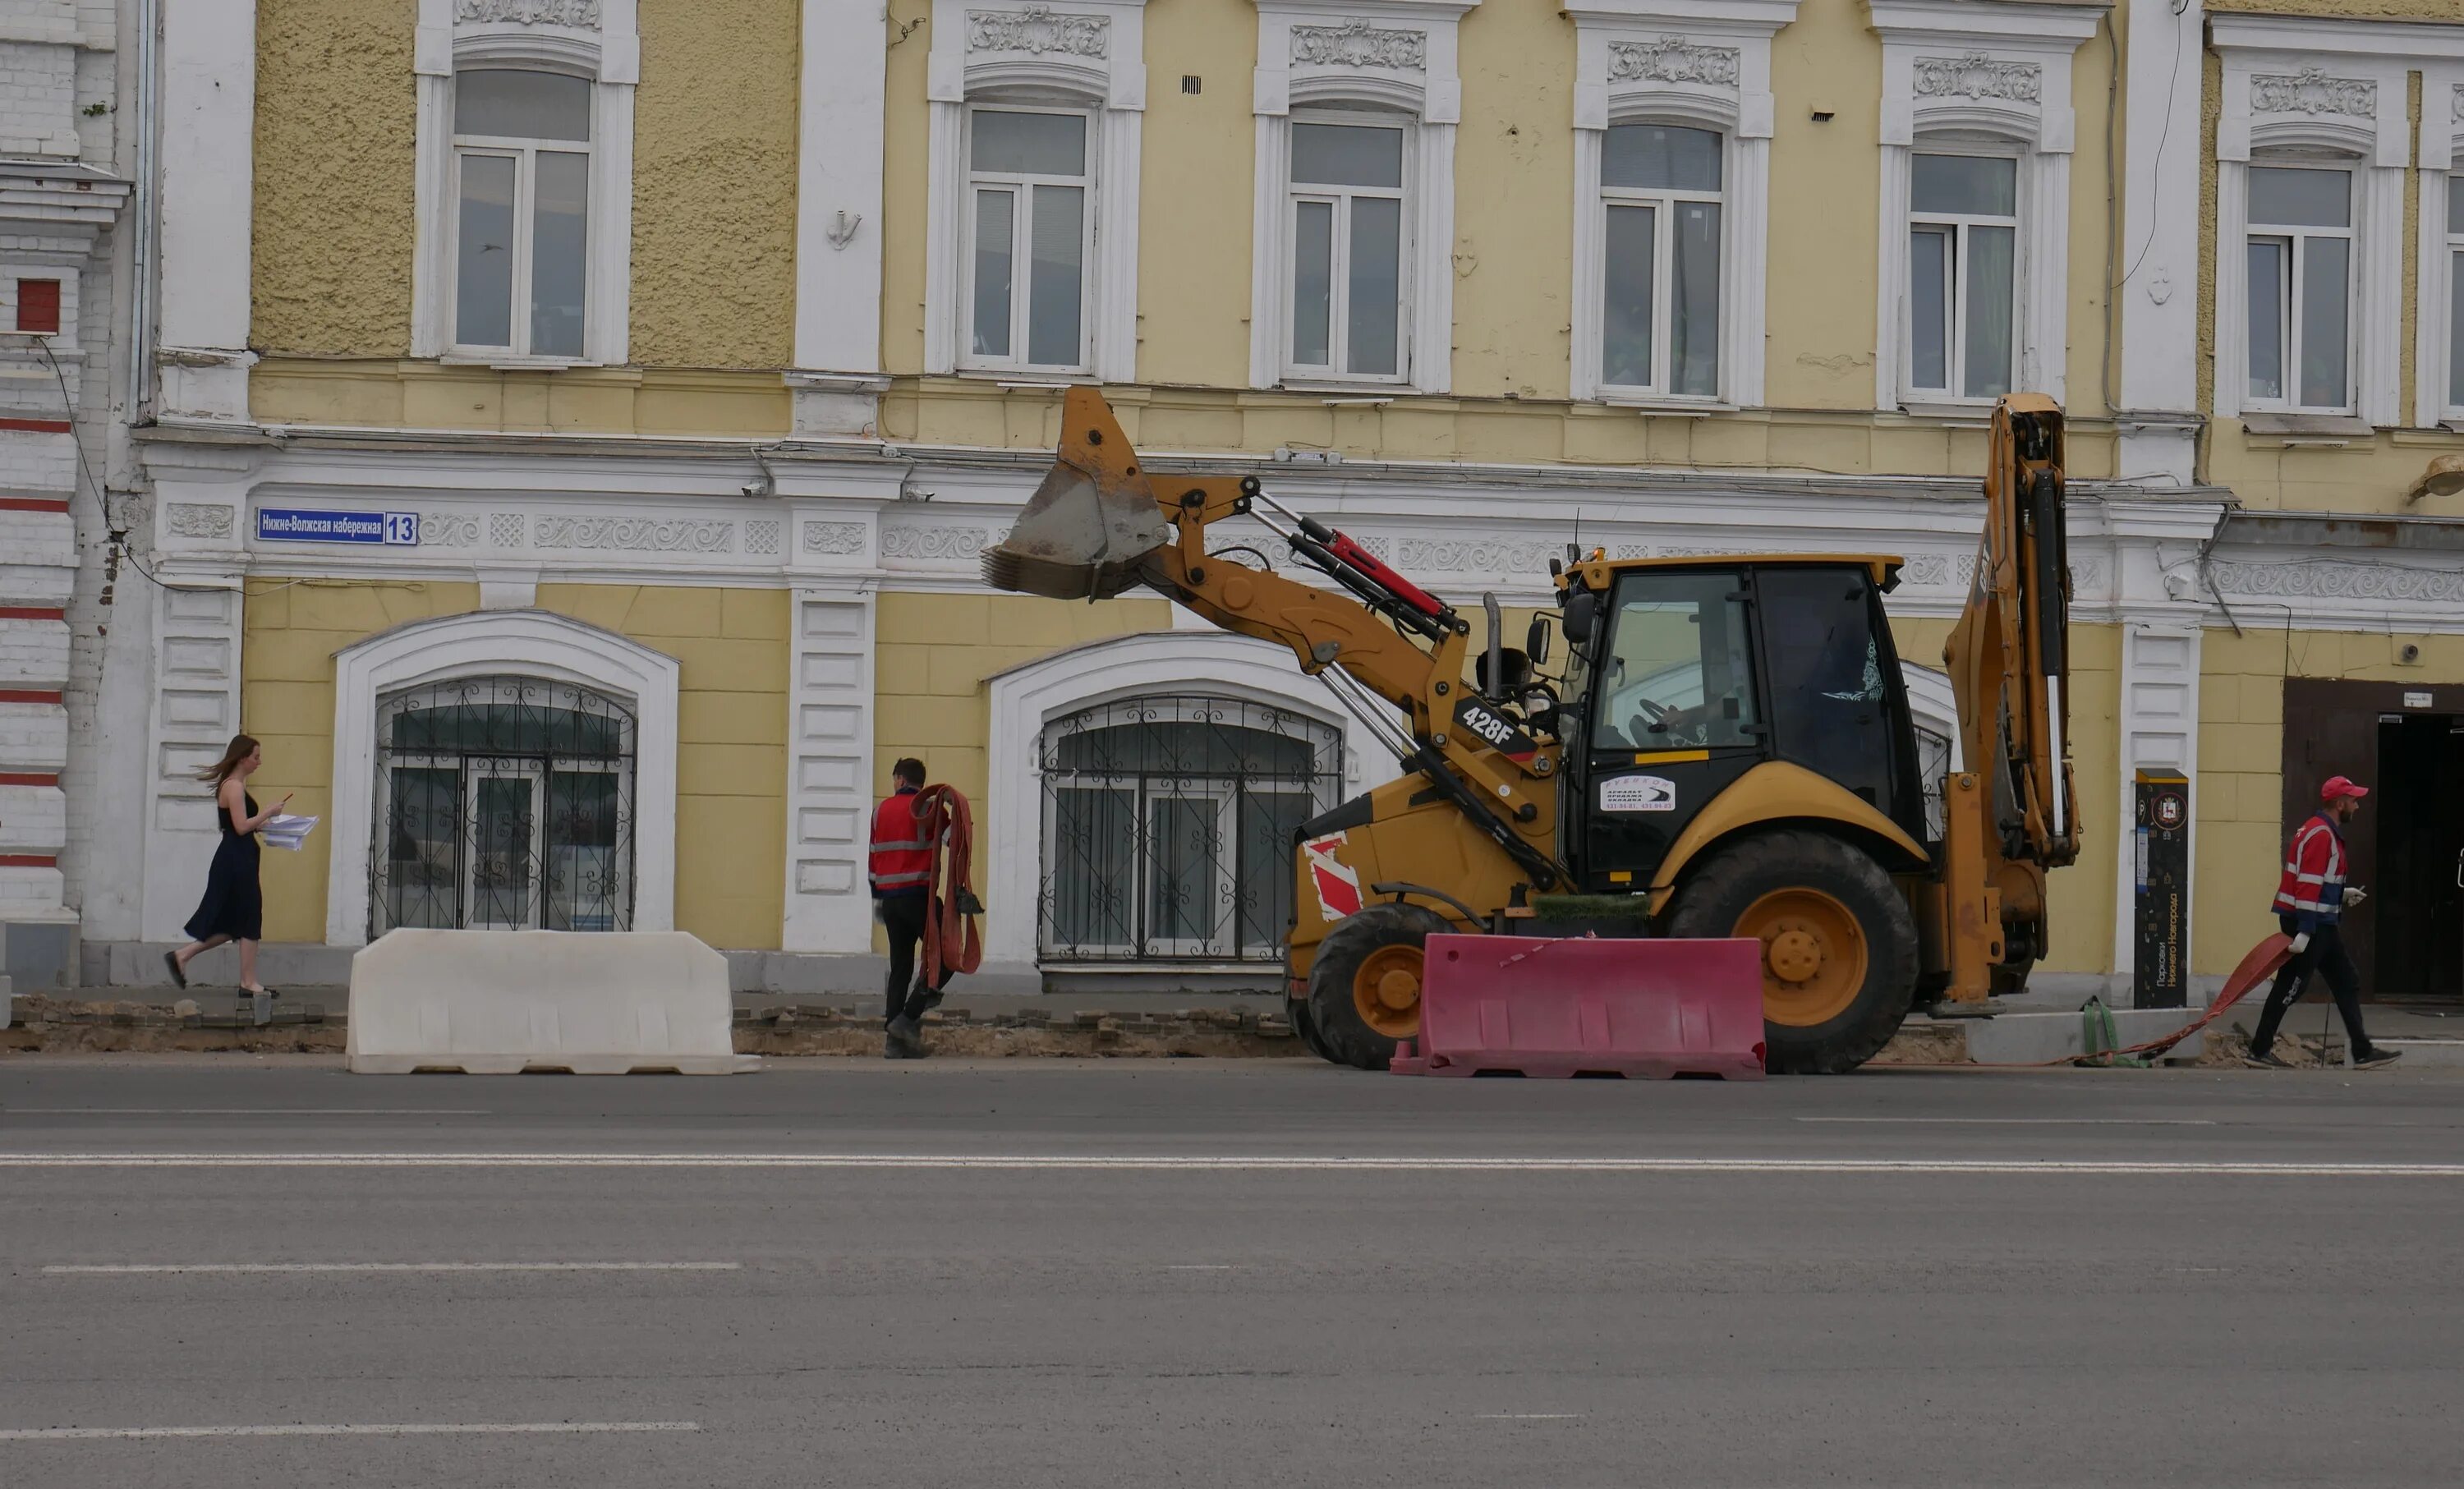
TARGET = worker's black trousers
x,y
2326,955
903,916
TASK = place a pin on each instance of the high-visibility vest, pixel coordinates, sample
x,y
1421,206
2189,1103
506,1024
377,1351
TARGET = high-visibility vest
x,y
2313,886
901,862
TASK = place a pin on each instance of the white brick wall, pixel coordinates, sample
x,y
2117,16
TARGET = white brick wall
x,y
32,819
34,654
38,99
34,736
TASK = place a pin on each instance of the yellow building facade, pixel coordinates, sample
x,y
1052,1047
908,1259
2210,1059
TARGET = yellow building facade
x,y
577,423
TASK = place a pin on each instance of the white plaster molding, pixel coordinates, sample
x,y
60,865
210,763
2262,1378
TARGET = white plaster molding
x,y
829,772
2160,222
1301,62
990,49
2440,152
842,84
2159,726
2316,89
1706,66
1180,661
599,39
1971,68
206,173
481,643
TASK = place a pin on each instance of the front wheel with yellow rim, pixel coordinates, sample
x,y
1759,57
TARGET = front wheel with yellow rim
x,y
1364,983
1838,943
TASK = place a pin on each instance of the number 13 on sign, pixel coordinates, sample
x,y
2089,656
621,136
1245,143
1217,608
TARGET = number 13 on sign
x,y
401,529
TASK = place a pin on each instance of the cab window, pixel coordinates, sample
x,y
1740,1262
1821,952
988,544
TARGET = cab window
x,y
1677,669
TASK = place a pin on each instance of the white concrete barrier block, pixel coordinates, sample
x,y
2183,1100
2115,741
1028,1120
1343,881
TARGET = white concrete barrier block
x,y
498,1002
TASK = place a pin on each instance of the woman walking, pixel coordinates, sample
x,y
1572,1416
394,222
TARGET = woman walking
x,y
234,909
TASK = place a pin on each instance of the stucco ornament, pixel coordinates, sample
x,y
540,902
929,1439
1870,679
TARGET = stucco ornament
x,y
1359,44
189,520
2313,93
448,530
839,538
1672,59
1038,30
638,535
580,14
1476,556
1977,75
962,544
2456,103
2334,580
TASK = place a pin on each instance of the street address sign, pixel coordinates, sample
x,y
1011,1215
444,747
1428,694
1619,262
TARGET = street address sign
x,y
298,525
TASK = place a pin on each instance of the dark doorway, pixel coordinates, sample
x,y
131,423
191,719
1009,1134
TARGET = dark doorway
x,y
2405,742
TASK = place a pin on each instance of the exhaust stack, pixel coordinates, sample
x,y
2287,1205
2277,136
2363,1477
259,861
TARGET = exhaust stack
x,y
1087,530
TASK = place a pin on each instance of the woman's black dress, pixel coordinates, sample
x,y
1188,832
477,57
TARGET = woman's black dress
x,y
234,903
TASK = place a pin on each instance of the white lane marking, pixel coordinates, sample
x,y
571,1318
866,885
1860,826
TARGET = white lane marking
x,y
245,1112
1130,1163
2035,1121
334,1430
1531,1416
133,1268
1197,1267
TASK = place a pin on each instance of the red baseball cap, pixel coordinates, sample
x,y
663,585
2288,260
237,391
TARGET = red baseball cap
x,y
2342,786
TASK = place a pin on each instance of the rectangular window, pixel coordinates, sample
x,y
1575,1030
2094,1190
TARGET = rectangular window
x,y
521,199
1347,251
2456,292
1660,186
2298,250
1030,239
1962,275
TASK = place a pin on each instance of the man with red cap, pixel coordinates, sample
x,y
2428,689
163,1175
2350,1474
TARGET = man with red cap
x,y
2310,901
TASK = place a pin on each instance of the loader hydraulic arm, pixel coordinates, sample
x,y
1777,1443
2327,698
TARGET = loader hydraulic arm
x,y
1382,634
2010,813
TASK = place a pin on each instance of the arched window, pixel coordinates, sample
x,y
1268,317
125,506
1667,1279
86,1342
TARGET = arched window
x,y
1169,823
502,803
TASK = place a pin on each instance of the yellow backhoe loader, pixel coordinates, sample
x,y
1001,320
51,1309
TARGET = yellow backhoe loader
x,y
1727,750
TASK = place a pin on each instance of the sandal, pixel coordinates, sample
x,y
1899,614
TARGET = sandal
x,y
258,993
179,974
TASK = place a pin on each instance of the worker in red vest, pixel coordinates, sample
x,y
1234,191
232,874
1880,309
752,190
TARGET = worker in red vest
x,y
2310,901
901,870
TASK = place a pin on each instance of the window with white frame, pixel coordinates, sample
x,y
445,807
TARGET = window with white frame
x,y
1030,235
1962,283
522,169
1661,243
2456,292
2299,266
1344,268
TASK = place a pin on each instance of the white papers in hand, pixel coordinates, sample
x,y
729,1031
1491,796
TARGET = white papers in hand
x,y
286,831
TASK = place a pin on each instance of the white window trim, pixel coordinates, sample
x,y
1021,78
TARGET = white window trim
x,y
1990,68
1026,698
1339,291
611,56
1684,77
2310,89
2441,153
486,643
1372,68
1088,54
1022,256
1955,305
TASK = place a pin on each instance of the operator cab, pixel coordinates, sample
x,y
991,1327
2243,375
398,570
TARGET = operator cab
x,y
1680,678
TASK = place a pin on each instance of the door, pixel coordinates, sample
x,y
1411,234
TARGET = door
x,y
2399,739
503,864
1189,885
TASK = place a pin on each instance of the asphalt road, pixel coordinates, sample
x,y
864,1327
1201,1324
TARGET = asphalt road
x,y
1261,1272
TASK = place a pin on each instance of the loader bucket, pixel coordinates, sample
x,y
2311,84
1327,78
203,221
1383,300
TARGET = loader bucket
x,y
1086,531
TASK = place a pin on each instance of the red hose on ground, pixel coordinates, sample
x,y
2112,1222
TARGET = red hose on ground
x,y
949,826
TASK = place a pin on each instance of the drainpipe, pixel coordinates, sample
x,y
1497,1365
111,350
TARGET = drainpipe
x,y
141,330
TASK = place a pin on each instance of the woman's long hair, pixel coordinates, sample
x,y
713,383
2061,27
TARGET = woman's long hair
x,y
242,746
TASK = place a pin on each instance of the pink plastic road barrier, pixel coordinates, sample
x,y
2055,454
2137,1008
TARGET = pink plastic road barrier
x,y
1585,1006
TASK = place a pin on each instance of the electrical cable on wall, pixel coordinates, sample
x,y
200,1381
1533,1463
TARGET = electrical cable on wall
x,y
115,535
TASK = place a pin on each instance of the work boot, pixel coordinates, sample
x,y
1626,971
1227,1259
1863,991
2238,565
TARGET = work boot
x,y
2264,1060
2376,1056
904,1032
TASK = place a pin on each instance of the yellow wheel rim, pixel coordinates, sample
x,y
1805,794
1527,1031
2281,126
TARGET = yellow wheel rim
x,y
1813,955
1386,990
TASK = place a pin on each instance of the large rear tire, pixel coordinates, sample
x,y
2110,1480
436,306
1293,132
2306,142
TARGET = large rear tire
x,y
1364,983
1840,946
